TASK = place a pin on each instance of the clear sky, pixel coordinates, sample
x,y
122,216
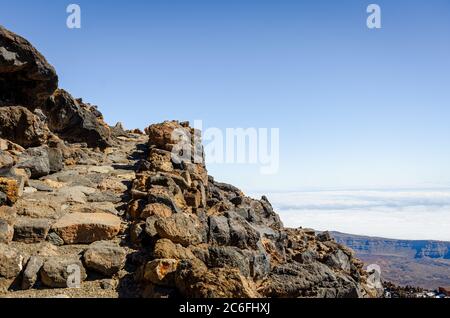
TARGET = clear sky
x,y
355,107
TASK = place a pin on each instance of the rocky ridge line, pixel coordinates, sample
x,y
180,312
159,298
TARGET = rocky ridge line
x,y
136,220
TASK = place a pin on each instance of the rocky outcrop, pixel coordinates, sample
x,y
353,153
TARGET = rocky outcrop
x,y
75,121
210,240
28,81
26,78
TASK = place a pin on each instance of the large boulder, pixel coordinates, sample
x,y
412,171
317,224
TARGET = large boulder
x,y
22,127
75,121
87,228
26,78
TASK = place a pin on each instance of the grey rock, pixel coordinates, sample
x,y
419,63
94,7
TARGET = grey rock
x,y
104,196
29,230
105,257
36,161
338,260
219,230
75,121
55,239
30,275
3,198
6,232
228,256
57,271
11,261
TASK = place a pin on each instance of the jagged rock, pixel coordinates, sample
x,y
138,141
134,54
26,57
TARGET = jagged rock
x,y
22,127
11,261
87,228
180,228
118,131
26,78
75,121
6,232
29,230
105,257
242,234
339,260
30,275
227,256
219,230
56,271
41,161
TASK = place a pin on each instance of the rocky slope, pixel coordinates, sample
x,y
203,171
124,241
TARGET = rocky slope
x,y
415,263
129,217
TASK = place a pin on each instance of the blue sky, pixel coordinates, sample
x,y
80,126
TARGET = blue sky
x,y
356,108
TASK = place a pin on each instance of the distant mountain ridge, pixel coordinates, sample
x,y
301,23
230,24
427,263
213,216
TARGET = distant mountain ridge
x,y
417,249
404,262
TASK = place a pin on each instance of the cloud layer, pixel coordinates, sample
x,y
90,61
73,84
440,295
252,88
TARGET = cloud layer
x,y
410,214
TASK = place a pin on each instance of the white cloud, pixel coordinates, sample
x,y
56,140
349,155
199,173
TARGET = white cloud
x,y
412,214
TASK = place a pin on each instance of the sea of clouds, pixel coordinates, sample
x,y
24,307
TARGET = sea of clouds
x,y
398,214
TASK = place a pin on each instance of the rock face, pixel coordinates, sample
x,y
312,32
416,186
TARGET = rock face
x,y
26,78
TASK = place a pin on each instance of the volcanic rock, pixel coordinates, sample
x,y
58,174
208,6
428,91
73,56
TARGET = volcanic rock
x,y
26,78
75,122
22,127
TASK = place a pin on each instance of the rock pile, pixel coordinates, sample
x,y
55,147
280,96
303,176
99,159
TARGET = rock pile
x,y
103,212
209,240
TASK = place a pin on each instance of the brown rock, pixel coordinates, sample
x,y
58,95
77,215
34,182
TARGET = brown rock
x,y
166,249
86,228
156,209
180,228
